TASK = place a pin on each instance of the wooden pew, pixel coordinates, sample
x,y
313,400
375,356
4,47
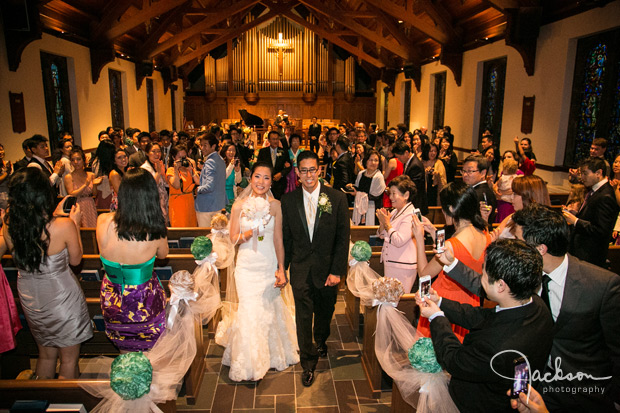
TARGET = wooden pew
x,y
371,365
56,391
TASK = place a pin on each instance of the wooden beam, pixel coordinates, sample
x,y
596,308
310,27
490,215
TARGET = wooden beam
x,y
156,9
442,18
433,31
503,5
111,13
204,24
522,31
231,34
340,16
151,41
336,40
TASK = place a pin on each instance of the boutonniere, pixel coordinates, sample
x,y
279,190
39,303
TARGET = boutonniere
x,y
279,153
324,204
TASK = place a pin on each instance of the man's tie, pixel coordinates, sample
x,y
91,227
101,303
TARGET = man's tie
x,y
588,195
310,216
273,157
545,290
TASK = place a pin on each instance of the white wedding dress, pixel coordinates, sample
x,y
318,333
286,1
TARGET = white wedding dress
x,y
263,334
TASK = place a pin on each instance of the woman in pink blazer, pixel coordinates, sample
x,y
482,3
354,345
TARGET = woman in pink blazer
x,y
399,248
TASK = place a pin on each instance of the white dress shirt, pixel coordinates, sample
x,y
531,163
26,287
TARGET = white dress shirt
x,y
556,287
312,197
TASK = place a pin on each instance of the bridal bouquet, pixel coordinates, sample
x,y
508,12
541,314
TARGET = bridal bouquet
x,y
256,210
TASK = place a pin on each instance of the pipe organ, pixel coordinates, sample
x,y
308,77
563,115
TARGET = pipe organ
x,y
278,56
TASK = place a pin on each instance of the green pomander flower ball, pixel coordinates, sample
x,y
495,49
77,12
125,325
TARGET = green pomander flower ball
x,y
361,251
422,356
131,375
201,247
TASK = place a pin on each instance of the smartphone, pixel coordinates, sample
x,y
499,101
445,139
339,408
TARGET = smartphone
x,y
440,241
425,286
69,202
521,377
418,214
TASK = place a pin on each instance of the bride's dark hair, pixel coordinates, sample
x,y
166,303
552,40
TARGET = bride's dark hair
x,y
262,165
31,208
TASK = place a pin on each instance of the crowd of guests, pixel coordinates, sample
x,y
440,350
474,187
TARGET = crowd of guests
x,y
535,283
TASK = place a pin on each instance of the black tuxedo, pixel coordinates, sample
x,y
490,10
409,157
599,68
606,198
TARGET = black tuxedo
x,y
314,131
311,262
415,171
590,236
286,145
22,163
245,155
474,386
486,194
343,171
264,155
586,337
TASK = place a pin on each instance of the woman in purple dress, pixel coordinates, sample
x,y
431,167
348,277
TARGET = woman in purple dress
x,y
292,178
132,298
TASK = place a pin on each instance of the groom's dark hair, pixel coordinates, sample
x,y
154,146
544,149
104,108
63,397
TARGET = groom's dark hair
x,y
307,155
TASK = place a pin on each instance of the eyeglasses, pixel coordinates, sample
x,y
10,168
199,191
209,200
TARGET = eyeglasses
x,y
470,172
310,171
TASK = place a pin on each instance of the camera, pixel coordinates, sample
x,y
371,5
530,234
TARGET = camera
x,y
184,162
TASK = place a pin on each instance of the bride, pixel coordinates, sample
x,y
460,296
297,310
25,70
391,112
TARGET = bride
x,y
262,335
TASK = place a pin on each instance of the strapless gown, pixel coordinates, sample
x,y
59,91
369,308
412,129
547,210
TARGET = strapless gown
x,y
133,303
54,303
263,335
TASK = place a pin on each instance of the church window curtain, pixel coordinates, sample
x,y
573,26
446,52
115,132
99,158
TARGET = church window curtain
x,y
150,103
439,101
116,98
492,102
57,98
595,101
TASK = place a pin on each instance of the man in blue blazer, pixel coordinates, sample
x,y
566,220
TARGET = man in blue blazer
x,y
211,194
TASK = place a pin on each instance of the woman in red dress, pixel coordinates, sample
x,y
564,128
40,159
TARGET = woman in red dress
x,y
393,169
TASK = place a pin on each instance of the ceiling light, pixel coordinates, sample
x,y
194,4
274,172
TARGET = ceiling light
x,y
400,22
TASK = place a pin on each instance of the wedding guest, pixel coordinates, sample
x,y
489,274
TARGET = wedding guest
x,y
593,224
279,159
63,154
493,158
449,159
503,189
38,146
133,300
461,208
614,178
314,131
83,185
292,178
359,158
414,169
102,163
183,180
474,174
368,190
527,159
399,248
155,166
211,193
576,196
436,177
343,171
6,169
233,170
482,367
116,174
44,243
22,163
394,168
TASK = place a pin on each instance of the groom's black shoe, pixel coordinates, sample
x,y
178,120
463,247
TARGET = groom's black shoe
x,y
307,378
321,349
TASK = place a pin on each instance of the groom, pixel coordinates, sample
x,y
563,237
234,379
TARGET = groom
x,y
316,243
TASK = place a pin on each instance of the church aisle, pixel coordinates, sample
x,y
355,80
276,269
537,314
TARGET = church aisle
x,y
340,384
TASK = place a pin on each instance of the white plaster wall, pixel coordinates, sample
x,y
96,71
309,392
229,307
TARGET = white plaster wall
x,y
551,85
90,102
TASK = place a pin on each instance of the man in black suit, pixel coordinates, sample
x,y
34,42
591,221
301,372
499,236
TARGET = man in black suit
x,y
414,169
314,131
137,158
22,163
315,226
594,223
243,152
38,146
278,157
481,368
344,168
475,175
584,301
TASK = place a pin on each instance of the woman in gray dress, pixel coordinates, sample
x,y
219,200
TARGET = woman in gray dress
x,y
44,243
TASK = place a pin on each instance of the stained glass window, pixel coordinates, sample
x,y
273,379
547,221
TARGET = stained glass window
x,y
595,103
492,105
439,101
150,103
57,97
116,98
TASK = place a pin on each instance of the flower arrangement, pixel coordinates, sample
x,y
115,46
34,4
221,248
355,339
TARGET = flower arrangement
x,y
387,290
361,251
131,375
325,204
422,356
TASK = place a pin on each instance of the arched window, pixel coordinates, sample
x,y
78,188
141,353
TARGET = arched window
x,y
492,103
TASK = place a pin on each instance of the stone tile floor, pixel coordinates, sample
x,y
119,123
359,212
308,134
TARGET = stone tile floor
x,y
340,384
